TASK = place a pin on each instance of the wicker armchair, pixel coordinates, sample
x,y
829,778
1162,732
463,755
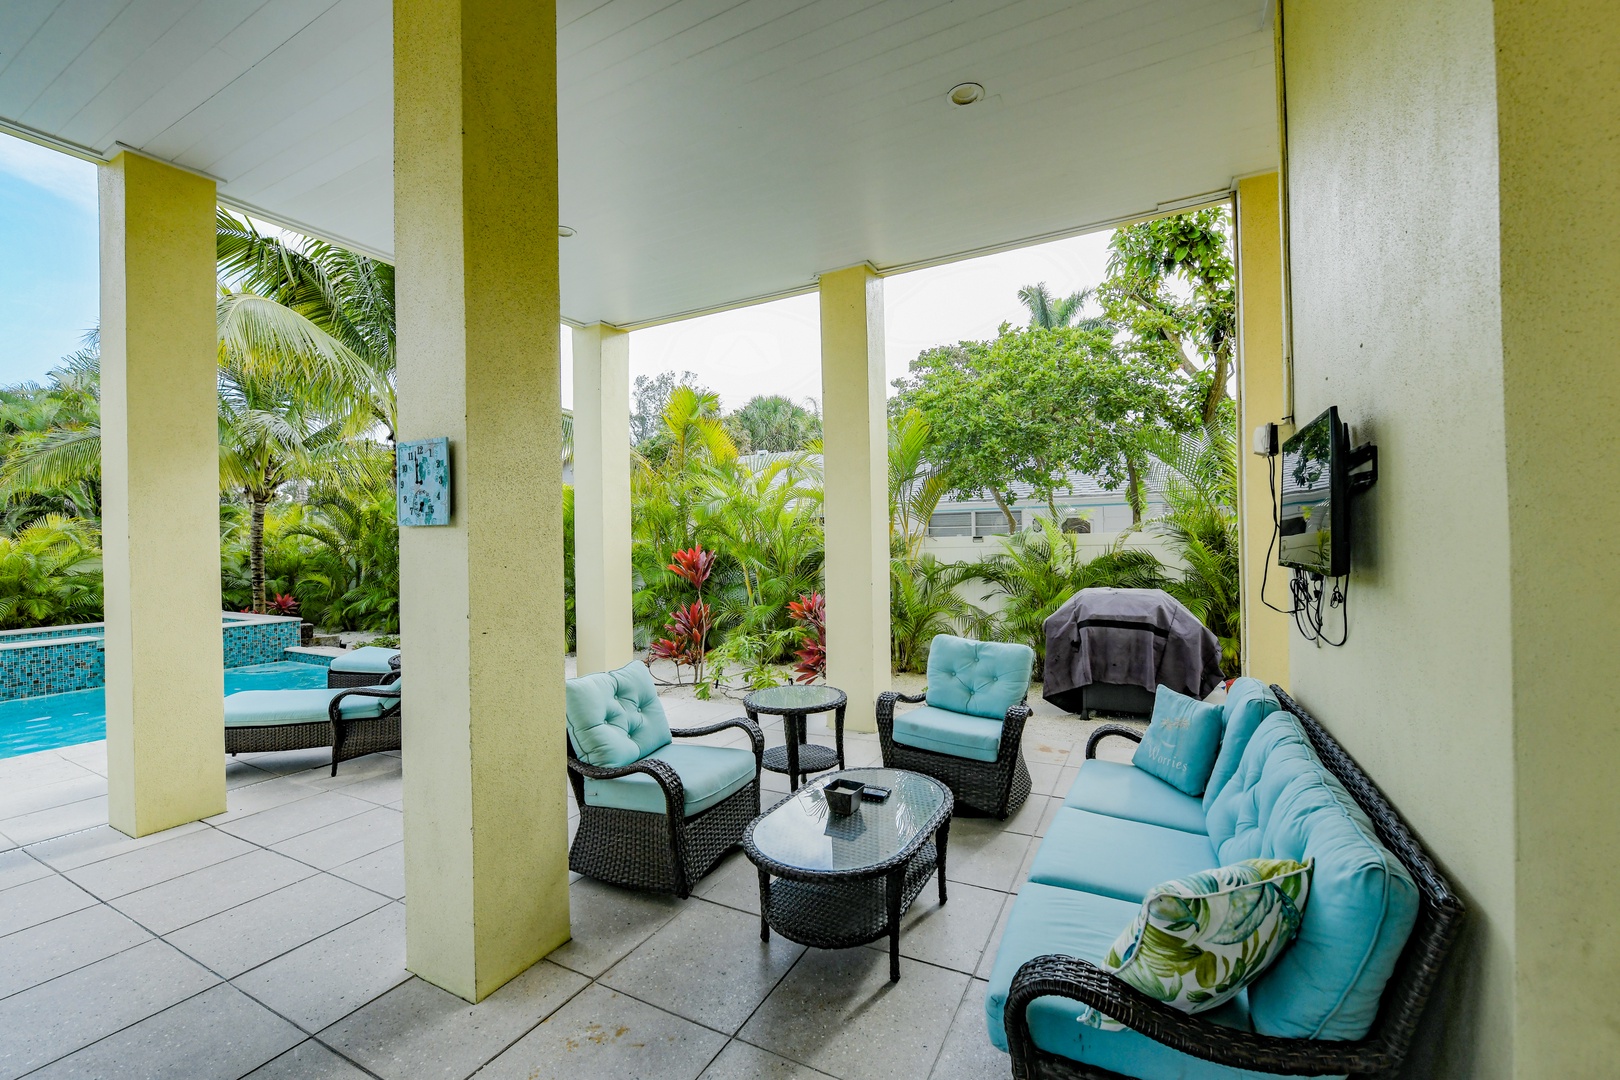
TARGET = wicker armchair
x,y
1377,1056
666,852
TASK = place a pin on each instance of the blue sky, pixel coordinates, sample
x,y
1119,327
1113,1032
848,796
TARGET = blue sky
x,y
49,278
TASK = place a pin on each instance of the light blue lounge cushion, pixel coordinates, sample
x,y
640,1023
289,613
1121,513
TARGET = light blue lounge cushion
x,y
1115,857
266,708
980,678
367,660
1046,920
954,733
1282,803
615,717
1248,702
1124,791
1181,742
708,774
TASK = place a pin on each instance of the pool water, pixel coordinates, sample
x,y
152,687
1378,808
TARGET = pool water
x,y
44,723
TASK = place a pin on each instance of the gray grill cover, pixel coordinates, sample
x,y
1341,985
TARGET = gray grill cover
x,y
1129,637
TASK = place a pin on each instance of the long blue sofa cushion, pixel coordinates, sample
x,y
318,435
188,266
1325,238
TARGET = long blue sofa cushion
x,y
1248,702
267,708
980,678
944,732
1124,791
1115,857
708,774
1046,919
1282,803
368,660
615,717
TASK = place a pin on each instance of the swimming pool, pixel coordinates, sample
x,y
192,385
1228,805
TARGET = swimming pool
x,y
52,720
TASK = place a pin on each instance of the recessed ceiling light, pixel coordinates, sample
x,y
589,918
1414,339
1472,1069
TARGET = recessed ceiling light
x,y
966,93
563,230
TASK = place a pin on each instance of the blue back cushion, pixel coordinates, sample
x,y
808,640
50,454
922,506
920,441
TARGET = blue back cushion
x,y
1282,803
1248,702
1181,742
980,678
615,717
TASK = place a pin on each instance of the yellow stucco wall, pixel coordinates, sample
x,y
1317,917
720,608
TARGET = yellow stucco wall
x,y
1558,102
1397,316
1260,401
160,497
481,602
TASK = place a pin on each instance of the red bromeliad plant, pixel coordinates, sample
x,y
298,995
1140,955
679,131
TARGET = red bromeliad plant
x,y
284,604
810,612
690,624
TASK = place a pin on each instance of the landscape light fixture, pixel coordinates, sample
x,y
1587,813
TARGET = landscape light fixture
x,y
966,93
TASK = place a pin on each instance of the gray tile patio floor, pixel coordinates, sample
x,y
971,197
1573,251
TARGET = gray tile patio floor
x,y
269,942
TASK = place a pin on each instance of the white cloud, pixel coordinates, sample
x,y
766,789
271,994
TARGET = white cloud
x,y
66,177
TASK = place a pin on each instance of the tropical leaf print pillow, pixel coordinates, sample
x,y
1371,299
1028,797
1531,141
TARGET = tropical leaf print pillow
x,y
1200,939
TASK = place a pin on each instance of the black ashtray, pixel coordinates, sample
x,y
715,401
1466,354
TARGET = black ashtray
x,y
843,796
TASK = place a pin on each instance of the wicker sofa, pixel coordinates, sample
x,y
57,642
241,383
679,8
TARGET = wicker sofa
x,y
1342,1000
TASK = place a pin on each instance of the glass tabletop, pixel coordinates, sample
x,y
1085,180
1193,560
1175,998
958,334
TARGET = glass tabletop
x,y
794,697
805,834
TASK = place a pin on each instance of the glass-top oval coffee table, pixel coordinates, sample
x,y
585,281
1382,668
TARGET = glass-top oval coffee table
x,y
798,756
835,882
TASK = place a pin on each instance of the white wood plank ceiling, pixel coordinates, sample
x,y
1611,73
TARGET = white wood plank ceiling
x,y
712,151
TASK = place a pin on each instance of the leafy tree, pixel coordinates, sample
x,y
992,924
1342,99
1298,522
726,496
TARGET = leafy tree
x,y
776,424
649,395
923,603
50,572
50,443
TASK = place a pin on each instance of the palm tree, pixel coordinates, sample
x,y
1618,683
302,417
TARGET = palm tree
x,y
916,485
924,603
1200,524
776,424
1049,312
50,571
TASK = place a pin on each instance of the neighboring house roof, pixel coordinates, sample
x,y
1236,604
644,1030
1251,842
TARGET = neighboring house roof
x,y
1080,486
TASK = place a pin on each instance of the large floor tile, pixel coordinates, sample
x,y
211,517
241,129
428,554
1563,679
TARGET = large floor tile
x,y
252,933
418,1032
348,839
20,800
30,957
184,900
734,883
58,1017
707,964
952,934
39,901
308,1060
90,755
318,984
295,818
291,762
381,871
239,773
981,853
217,1035
383,788
265,795
17,867
608,922
1029,816
602,1035
56,821
968,1053
157,863
28,771
740,1061
838,1012
103,842
988,958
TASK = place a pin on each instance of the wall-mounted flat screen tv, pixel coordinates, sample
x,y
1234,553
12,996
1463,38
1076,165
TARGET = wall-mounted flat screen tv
x,y
1314,515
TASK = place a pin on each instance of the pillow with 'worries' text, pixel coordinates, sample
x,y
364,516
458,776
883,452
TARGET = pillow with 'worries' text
x,y
1182,742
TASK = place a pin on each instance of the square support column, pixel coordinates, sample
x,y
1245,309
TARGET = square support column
x,y
856,465
603,632
1260,401
481,606
160,497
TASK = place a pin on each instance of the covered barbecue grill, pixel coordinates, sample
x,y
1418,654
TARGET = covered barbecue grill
x,y
1108,650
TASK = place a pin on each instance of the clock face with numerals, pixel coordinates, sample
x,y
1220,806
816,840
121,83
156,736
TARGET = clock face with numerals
x,y
423,487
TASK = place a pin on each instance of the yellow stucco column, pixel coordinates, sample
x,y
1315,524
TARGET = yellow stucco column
x,y
475,235
1260,401
602,498
160,497
856,465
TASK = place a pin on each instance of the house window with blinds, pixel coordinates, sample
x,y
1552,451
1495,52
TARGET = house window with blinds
x,y
974,523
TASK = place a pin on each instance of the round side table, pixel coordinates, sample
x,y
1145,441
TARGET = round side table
x,y
798,757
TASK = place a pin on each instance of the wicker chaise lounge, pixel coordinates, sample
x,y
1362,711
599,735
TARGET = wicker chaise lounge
x,y
969,735
353,721
364,666
653,814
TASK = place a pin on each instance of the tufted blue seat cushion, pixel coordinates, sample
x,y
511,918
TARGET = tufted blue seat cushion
x,y
979,678
369,660
954,733
708,774
1124,791
267,708
1113,857
1283,803
615,717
